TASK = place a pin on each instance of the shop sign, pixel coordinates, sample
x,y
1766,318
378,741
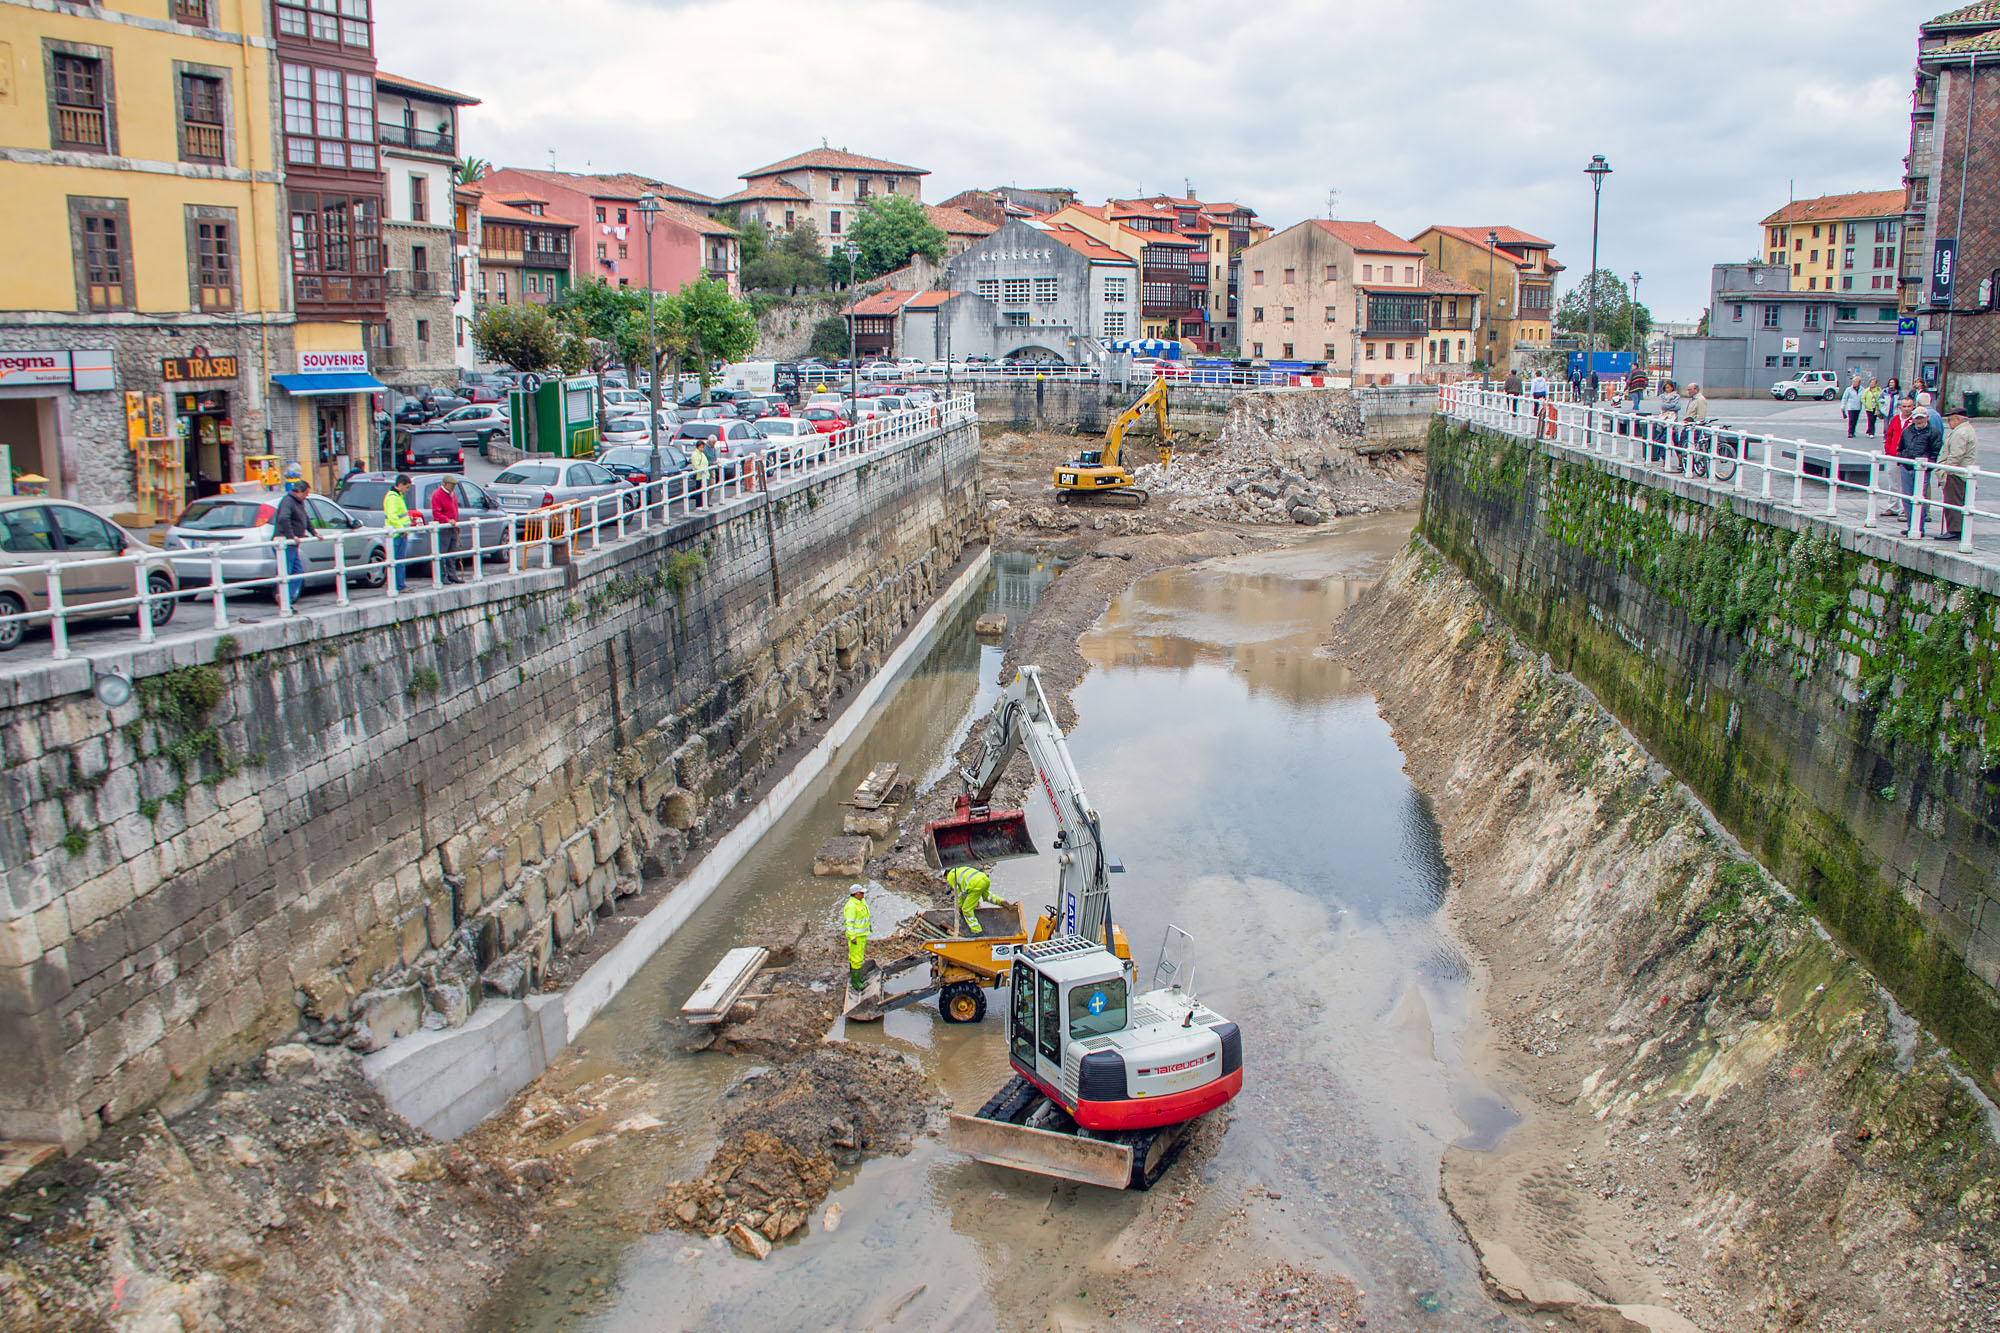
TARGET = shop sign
x,y
33,368
333,363
198,365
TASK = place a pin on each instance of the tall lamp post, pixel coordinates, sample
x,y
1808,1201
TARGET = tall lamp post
x,y
1637,345
1486,352
851,250
649,211
944,313
1597,171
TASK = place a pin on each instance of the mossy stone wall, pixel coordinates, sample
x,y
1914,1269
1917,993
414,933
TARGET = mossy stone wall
x,y
1829,694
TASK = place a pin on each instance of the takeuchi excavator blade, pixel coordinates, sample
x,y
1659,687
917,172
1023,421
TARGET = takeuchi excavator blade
x,y
972,837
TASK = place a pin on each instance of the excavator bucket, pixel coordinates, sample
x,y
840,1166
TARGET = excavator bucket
x,y
1044,1152
973,839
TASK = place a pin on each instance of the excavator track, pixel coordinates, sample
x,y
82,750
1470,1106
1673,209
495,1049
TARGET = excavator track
x,y
1154,1151
1135,496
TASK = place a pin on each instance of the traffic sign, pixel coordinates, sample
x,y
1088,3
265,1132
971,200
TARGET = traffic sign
x,y
530,383
1906,327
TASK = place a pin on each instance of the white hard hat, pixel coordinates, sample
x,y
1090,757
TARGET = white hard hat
x,y
857,888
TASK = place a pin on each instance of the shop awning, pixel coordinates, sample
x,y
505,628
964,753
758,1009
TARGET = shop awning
x,y
304,386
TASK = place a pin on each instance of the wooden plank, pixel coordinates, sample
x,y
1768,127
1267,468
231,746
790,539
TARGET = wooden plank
x,y
724,985
875,788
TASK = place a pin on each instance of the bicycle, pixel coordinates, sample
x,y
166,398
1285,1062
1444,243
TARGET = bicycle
x,y
1714,453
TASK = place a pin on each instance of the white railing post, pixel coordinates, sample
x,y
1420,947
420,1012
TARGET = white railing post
x,y
1874,477
1833,480
58,623
278,559
478,550
340,571
1914,500
1965,512
145,602
1799,475
435,531
215,591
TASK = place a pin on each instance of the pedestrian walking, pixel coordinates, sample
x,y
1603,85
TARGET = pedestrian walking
x,y
1892,393
1512,384
444,511
292,525
1850,403
1921,442
1871,403
1892,439
855,924
396,517
698,460
1635,386
1961,450
1538,388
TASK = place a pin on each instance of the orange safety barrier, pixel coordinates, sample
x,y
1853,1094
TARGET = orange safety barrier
x,y
556,523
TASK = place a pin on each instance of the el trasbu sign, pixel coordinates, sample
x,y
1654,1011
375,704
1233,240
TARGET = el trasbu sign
x,y
197,365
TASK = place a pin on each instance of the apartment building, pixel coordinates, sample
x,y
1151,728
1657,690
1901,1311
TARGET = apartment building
x,y
612,238
139,194
527,251
1950,276
419,132
1849,243
1451,340
1761,330
1515,274
1351,294
1043,291
826,186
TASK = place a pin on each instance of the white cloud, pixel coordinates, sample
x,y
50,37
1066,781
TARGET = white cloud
x,y
1417,112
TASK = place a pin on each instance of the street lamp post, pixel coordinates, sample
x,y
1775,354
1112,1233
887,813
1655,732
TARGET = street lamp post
x,y
1486,352
853,357
944,313
649,210
1597,171
1637,345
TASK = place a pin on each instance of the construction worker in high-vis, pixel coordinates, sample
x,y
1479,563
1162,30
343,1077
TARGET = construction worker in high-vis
x,y
855,918
971,886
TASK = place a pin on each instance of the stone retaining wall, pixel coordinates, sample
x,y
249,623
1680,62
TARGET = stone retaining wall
x,y
1829,693
360,823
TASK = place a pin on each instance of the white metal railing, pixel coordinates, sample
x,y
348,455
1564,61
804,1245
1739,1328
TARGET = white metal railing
x,y
1804,475
159,579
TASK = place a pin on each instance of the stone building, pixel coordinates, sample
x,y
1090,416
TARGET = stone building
x,y
420,139
1046,292
826,186
1351,294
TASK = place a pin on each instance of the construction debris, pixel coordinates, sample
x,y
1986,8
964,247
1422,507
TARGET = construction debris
x,y
992,625
842,858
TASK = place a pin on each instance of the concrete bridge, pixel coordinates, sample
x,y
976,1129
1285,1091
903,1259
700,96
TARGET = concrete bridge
x,y
431,791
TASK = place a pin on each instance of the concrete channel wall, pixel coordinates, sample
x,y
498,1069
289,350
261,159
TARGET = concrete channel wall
x,y
1828,693
359,825
1392,417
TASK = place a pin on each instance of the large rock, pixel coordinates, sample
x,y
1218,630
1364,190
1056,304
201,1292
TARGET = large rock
x,y
842,858
384,1014
869,823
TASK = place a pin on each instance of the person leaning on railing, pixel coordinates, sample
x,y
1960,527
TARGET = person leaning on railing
x,y
1694,417
1670,415
1961,450
1921,439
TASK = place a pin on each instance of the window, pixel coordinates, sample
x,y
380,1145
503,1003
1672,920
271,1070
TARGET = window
x,y
84,531
1815,231
600,215
621,217
624,250
1795,270
336,247
1288,351
423,330
1114,289
80,103
1329,314
103,254
1256,349
420,199
1812,284
1812,316
334,22
1114,323
1799,246
988,288
1371,352
1328,352
1813,258
1016,318
459,327
1409,273
1257,277
833,218
1887,312
1770,363
192,11
1388,351
1846,283
212,256
1014,291
1291,275
1805,363
1461,349
1289,317
1736,313
1333,273
329,118
500,286
1045,290
1256,314
889,184
201,119
790,217
1771,316
1847,312
1847,258
604,251
1790,362
1368,273
1409,351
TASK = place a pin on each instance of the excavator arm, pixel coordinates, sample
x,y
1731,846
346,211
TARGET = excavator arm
x,y
1155,397
1022,720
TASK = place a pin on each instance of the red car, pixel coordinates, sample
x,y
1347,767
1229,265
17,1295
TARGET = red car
x,y
827,420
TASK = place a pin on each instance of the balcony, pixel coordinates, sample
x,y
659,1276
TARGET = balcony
x,y
1453,323
558,259
414,282
80,127
418,141
338,294
204,143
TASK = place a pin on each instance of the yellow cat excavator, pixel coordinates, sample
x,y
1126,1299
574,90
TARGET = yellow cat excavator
x,y
1099,473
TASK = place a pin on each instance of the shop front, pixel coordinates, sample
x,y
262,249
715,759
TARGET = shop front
x,y
38,402
203,420
333,390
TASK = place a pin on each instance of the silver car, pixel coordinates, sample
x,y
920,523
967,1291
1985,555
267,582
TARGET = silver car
x,y
36,532
789,439
632,429
537,483
225,531
362,493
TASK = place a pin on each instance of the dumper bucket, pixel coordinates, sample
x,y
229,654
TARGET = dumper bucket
x,y
1044,1152
969,838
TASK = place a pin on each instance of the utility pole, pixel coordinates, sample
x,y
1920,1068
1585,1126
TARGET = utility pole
x,y
853,357
1486,352
649,210
1634,334
1597,171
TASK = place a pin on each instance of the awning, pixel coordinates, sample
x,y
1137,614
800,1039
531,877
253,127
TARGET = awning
x,y
305,386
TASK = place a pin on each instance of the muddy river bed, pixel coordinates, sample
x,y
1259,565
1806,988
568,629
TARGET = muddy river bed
x,y
1257,800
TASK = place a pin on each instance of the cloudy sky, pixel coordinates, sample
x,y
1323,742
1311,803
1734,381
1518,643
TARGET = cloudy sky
x,y
1414,111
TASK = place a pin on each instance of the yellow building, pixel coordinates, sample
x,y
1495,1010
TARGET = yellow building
x,y
141,198
1516,274
1838,242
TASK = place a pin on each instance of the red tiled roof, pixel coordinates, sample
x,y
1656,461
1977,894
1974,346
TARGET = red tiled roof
x,y
1986,11
881,303
1084,243
521,195
1476,237
776,189
1443,284
396,83
929,300
834,159
1964,46
958,222
1839,207
489,210
1368,237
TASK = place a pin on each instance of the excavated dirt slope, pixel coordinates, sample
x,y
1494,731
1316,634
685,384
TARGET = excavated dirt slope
x,y
1724,1117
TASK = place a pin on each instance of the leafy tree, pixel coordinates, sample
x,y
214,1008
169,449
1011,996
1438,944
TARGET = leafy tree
x,y
670,339
800,244
600,310
718,326
530,339
1617,313
891,229
472,170
1701,329
784,261
829,339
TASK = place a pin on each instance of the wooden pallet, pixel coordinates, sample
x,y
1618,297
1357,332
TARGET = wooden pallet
x,y
876,788
724,985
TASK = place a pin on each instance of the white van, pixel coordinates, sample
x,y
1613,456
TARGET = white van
x,y
758,377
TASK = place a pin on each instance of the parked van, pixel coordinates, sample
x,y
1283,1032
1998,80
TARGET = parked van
x,y
758,377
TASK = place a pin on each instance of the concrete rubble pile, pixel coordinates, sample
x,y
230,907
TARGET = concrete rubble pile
x,y
1282,458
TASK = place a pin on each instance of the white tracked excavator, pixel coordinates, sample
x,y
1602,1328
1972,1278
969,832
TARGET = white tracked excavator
x,y
1107,1080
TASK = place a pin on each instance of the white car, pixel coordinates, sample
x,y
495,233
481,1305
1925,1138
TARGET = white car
x,y
911,365
1808,384
624,398
880,370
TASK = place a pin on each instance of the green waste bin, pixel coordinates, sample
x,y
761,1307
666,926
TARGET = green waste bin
x,y
1971,397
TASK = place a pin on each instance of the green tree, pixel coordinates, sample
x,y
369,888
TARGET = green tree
x,y
891,229
787,261
718,326
670,341
1617,313
801,247
529,339
829,339
600,311
472,170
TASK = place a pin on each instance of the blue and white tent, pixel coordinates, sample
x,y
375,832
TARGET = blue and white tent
x,y
1160,347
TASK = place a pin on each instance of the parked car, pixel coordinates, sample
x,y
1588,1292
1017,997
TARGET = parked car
x,y
880,370
789,439
478,387
361,495
537,483
910,365
756,409
1808,384
477,424
36,531
632,464
732,439
632,429
428,447
225,530
828,418
613,399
